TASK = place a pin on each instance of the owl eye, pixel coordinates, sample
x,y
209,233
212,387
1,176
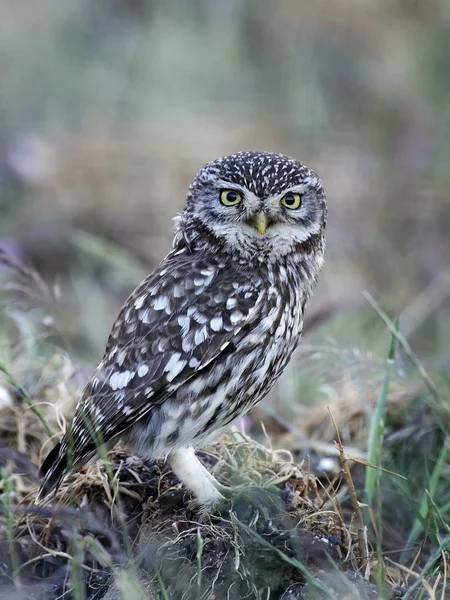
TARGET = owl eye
x,y
230,197
291,200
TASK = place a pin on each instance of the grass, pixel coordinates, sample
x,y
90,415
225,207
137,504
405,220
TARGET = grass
x,y
162,587
374,457
199,557
377,427
428,505
7,505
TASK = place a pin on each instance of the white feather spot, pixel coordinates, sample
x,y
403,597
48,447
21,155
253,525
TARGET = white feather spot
x,y
273,311
209,276
178,291
139,302
236,317
142,370
160,303
266,323
194,362
174,366
231,303
216,323
121,357
197,316
120,380
143,315
187,343
113,381
184,322
200,335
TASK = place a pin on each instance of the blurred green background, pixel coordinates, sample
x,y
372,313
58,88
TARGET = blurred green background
x,y
109,107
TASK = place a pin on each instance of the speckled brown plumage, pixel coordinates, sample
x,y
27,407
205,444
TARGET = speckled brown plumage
x,y
204,337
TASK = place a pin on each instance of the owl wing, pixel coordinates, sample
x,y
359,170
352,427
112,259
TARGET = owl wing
x,y
175,323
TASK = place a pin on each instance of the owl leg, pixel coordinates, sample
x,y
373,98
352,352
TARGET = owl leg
x,y
195,477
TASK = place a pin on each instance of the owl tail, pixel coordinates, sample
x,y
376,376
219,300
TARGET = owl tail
x,y
52,470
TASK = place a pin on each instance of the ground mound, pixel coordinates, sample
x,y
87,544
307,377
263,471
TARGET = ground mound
x,y
125,528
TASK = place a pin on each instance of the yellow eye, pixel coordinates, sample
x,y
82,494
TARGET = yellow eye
x,y
230,197
291,200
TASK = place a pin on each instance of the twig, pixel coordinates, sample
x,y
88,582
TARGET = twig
x,y
362,537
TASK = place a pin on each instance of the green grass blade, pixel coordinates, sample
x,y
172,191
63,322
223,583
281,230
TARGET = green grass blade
x,y
434,558
426,503
377,425
199,557
162,587
9,525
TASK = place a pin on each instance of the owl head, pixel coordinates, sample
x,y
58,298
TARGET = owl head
x,y
255,205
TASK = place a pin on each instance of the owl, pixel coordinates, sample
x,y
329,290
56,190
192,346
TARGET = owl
x,y
206,335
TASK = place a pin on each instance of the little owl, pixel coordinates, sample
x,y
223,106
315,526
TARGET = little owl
x,y
206,335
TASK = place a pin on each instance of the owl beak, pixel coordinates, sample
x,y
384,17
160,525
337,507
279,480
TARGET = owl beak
x,y
260,223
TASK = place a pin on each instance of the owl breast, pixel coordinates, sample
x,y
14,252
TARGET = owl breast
x,y
232,384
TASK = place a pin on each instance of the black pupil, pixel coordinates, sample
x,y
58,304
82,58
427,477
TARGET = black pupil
x,y
232,196
289,199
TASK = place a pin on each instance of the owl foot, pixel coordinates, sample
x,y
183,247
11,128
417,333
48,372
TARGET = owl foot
x,y
196,478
